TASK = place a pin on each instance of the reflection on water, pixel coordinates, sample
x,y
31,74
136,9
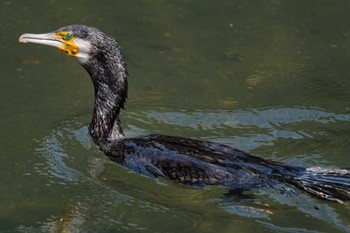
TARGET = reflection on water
x,y
105,196
55,155
261,118
93,201
253,128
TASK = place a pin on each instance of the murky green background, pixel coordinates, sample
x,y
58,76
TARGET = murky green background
x,y
269,77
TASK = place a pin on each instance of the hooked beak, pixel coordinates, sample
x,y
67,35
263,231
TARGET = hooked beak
x,y
45,39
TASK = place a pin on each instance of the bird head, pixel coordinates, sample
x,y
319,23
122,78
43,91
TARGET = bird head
x,y
77,41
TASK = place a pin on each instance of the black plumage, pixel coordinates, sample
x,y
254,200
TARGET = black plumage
x,y
185,160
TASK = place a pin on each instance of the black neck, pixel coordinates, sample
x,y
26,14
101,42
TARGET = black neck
x,y
109,76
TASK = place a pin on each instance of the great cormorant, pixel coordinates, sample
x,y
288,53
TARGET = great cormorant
x,y
185,160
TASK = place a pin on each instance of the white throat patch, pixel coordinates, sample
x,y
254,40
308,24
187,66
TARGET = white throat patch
x,y
84,50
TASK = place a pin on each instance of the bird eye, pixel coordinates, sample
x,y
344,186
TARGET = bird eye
x,y
69,36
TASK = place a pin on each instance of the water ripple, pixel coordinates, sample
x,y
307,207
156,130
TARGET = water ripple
x,y
263,118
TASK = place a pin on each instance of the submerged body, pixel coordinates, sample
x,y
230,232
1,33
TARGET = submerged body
x,y
195,162
185,160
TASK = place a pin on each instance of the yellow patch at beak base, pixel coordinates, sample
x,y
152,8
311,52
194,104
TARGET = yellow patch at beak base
x,y
68,47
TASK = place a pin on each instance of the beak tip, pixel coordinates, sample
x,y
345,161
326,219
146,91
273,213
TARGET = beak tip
x,y
22,39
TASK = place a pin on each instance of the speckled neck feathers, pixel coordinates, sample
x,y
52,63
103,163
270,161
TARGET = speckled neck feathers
x,y
108,73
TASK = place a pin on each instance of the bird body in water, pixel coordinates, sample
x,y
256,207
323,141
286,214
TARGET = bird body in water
x,y
185,160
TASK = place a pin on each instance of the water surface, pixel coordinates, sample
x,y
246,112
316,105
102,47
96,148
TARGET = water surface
x,y
269,77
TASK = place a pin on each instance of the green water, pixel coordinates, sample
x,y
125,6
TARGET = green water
x,y
269,77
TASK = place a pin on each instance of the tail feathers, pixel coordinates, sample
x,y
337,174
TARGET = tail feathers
x,y
329,184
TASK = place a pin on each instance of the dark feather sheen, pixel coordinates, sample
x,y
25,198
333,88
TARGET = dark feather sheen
x,y
185,160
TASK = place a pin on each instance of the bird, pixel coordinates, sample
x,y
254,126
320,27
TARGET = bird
x,y
185,160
